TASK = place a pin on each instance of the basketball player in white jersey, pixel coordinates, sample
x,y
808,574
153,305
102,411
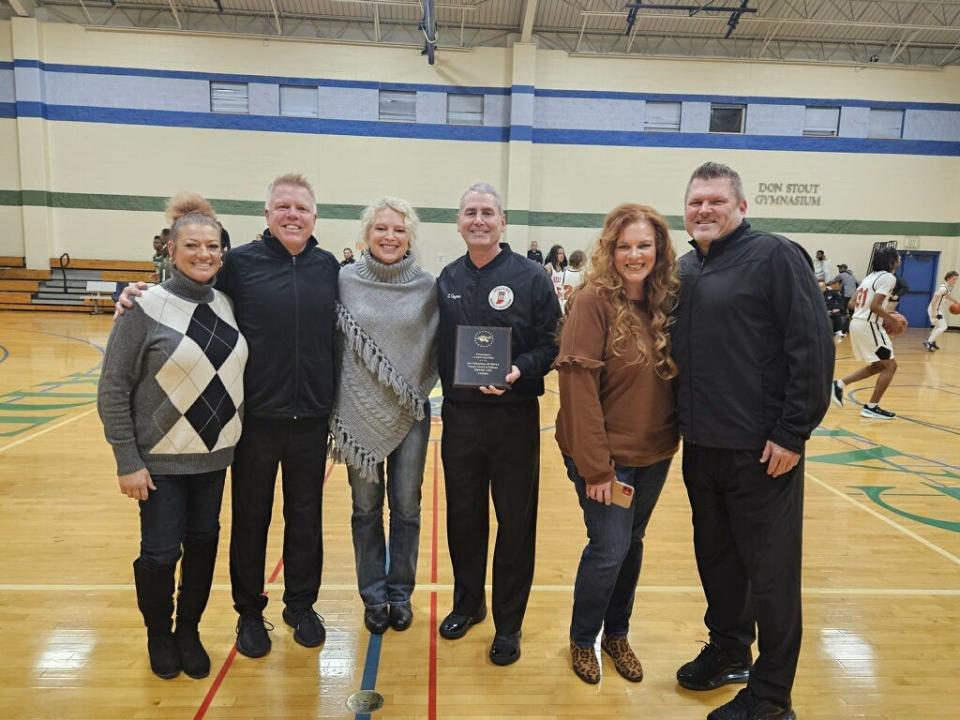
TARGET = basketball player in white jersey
x,y
936,307
869,340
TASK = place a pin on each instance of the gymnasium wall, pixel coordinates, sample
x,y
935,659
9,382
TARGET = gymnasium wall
x,y
97,127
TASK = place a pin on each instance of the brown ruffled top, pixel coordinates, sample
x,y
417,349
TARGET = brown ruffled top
x,y
612,408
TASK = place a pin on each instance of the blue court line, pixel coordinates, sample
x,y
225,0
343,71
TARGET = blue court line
x,y
371,663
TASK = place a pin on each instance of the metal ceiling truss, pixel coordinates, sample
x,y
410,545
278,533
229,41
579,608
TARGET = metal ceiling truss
x,y
891,32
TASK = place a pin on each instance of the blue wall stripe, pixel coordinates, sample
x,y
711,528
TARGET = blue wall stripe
x,y
270,79
516,89
5,65
746,99
745,142
361,128
263,123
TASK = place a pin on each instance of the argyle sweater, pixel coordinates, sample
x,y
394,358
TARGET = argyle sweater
x,y
171,388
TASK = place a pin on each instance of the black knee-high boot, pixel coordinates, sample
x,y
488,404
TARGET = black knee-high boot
x,y
196,577
155,599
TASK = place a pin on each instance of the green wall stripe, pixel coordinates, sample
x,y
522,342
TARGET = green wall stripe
x,y
531,218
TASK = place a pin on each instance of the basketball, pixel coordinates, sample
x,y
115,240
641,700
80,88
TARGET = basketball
x,y
955,308
895,324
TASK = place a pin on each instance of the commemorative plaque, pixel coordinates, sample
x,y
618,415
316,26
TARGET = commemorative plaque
x,y
482,357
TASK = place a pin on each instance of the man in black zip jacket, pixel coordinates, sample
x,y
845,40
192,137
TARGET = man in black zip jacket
x,y
491,437
755,355
284,293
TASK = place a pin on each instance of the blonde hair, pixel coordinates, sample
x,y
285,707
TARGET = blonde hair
x,y
660,290
189,208
294,179
411,221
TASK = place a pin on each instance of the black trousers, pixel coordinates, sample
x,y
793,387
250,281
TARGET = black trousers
x,y
492,450
747,534
299,448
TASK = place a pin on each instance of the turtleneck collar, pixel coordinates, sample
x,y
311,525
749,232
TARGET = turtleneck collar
x,y
403,271
182,286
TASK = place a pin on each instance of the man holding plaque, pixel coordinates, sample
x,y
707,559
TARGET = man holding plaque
x,y
491,416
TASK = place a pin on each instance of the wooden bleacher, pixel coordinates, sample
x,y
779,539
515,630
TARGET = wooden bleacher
x,y
67,289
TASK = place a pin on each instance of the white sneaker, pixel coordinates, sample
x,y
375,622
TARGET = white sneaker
x,y
877,413
836,394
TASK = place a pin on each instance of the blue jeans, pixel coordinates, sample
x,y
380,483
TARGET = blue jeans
x,y
183,509
610,563
381,582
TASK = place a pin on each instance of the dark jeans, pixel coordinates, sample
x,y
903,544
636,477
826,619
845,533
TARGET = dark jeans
x,y
183,509
492,449
403,478
747,535
299,448
610,563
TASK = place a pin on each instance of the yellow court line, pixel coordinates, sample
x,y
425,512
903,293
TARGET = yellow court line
x,y
892,523
434,587
46,430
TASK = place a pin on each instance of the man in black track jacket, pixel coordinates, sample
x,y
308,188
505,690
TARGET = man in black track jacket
x,y
755,355
491,437
284,292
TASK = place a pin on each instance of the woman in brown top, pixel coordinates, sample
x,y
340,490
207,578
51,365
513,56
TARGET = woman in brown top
x,y
616,427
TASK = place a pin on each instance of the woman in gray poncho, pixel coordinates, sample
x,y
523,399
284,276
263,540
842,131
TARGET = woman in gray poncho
x,y
381,420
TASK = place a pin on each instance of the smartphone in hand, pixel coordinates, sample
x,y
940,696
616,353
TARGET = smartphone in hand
x,y
621,494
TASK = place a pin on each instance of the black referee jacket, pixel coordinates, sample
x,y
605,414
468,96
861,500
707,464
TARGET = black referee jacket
x,y
465,293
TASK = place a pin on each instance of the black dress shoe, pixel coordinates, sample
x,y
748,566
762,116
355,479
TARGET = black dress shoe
x,y
505,649
377,619
455,626
401,615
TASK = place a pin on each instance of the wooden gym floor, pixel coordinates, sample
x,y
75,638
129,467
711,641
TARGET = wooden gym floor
x,y
882,574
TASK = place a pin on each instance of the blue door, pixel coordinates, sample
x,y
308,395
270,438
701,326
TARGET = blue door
x,y
918,269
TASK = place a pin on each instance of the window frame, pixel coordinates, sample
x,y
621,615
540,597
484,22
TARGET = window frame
x,y
384,93
742,107
216,85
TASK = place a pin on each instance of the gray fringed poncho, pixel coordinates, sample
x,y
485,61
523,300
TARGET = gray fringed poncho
x,y
387,318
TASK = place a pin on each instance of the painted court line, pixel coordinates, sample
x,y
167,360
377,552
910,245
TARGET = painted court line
x,y
46,430
432,662
436,588
892,523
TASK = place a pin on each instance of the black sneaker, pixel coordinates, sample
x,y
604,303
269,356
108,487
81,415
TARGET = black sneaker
x,y
713,668
308,629
252,638
377,619
836,394
934,346
747,706
877,413
928,346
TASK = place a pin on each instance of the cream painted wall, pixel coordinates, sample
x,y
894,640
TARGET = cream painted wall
x,y
182,51
6,41
558,70
236,165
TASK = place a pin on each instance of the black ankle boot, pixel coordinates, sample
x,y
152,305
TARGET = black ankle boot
x,y
196,577
155,599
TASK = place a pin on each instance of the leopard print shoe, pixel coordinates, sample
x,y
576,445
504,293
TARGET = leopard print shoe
x,y
585,663
619,650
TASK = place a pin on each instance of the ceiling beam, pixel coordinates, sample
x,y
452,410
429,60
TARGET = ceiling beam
x,y
529,13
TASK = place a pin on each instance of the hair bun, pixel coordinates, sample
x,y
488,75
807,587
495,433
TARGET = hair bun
x,y
188,203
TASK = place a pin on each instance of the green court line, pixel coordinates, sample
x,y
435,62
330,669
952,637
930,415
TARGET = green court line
x,y
530,218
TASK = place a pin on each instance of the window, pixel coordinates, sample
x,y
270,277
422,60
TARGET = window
x,y
727,118
886,123
464,109
229,97
398,106
661,117
299,101
821,121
